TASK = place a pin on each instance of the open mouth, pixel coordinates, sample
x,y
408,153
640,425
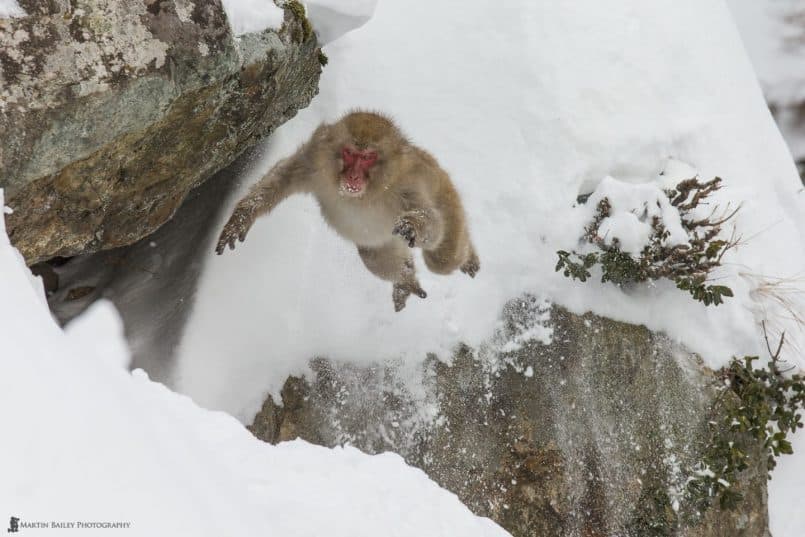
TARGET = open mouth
x,y
353,187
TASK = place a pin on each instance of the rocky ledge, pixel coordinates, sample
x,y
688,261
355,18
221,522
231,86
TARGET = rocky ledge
x,y
111,112
563,425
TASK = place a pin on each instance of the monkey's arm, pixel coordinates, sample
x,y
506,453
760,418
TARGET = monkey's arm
x,y
284,179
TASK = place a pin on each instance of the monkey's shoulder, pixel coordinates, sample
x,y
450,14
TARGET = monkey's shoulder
x,y
416,162
416,156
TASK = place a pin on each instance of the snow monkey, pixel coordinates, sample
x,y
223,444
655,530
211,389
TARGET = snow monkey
x,y
375,189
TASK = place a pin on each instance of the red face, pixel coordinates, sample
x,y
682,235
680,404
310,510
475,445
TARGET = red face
x,y
355,174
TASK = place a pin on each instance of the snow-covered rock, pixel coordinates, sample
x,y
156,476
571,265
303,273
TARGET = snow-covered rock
x,y
564,425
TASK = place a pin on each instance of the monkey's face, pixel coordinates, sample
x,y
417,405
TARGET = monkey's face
x,y
356,170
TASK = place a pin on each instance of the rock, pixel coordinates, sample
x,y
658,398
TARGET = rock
x,y
562,425
111,112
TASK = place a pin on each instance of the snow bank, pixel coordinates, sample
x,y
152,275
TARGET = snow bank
x,y
248,16
10,8
333,18
528,105
86,441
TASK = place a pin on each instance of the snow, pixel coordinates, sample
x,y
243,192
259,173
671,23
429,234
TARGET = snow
x,y
88,442
778,61
249,16
333,18
786,516
10,8
527,105
633,206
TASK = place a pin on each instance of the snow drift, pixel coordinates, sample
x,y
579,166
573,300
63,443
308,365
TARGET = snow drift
x,y
87,441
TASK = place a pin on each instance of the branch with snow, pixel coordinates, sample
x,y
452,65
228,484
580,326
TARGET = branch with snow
x,y
641,233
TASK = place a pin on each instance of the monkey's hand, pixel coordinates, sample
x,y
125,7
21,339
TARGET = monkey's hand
x,y
409,227
236,228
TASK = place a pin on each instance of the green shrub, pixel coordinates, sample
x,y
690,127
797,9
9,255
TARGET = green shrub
x,y
760,406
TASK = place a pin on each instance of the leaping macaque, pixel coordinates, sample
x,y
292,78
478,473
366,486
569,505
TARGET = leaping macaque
x,y
375,189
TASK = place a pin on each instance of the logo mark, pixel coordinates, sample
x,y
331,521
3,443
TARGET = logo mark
x,y
13,525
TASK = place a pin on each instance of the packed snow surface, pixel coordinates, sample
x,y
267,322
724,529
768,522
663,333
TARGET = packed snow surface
x,y
248,16
527,105
10,8
88,442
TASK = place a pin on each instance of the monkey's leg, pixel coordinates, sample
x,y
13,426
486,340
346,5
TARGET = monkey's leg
x,y
453,251
472,265
393,262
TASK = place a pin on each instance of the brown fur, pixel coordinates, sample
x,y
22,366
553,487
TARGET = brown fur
x,y
409,201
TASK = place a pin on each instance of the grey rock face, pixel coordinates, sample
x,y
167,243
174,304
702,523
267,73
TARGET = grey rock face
x,y
112,111
563,425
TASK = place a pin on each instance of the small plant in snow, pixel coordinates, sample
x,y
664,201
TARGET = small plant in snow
x,y
766,407
676,245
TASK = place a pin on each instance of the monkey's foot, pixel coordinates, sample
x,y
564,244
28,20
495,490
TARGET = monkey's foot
x,y
235,229
406,229
471,266
402,291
